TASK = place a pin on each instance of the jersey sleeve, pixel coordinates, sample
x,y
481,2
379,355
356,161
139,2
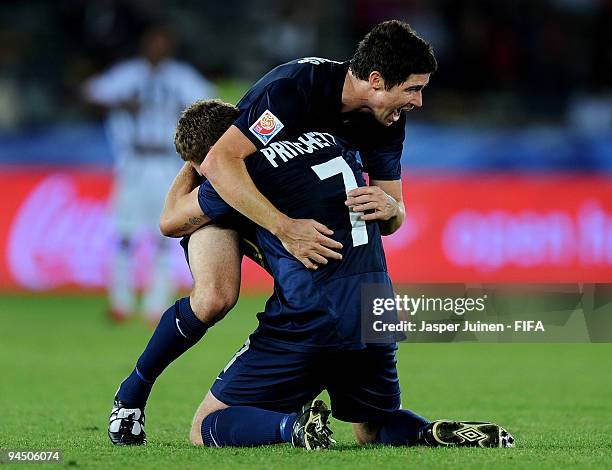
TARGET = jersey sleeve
x,y
384,162
275,113
211,203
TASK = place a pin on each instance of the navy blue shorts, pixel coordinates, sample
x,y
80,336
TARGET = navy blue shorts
x,y
362,384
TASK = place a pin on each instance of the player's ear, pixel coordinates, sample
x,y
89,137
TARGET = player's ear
x,y
376,81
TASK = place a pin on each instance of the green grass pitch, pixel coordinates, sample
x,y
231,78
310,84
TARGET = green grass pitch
x,y
61,362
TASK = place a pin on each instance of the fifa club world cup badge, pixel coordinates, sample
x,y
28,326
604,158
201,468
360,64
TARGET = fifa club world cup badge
x,y
266,127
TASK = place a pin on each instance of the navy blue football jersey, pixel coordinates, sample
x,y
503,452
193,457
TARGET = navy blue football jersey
x,y
306,95
312,308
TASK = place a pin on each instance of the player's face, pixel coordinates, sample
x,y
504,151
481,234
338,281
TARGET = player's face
x,y
387,105
157,46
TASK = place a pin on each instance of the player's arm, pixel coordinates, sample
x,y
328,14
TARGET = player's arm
x,y
114,89
182,214
225,168
382,197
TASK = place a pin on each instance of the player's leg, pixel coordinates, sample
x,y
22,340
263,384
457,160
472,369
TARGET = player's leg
x,y
215,264
126,220
156,178
370,400
214,261
366,392
121,291
209,405
398,428
218,425
402,428
256,408
160,288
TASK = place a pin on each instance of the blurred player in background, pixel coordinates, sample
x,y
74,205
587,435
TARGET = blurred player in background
x,y
143,98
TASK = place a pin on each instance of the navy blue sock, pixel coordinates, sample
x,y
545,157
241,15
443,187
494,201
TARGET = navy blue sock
x,y
246,426
401,428
177,331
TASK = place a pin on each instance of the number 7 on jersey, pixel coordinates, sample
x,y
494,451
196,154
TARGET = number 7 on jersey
x,y
337,166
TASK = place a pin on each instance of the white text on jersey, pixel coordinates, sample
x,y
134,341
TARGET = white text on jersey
x,y
305,144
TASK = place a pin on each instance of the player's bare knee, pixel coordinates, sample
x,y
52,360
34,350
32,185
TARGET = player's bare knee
x,y
209,405
210,304
365,433
195,435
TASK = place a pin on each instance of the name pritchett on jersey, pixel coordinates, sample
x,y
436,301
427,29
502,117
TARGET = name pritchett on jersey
x,y
305,144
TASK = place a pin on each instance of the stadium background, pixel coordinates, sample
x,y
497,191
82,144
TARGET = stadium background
x,y
507,177
506,168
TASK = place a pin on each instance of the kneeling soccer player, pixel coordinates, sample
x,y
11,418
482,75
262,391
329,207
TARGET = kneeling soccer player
x,y
309,338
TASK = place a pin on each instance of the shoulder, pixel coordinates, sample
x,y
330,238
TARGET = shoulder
x,y
285,85
188,80
128,66
315,72
178,67
282,91
310,82
307,73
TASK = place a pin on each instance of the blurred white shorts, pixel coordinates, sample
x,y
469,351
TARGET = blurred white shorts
x,y
139,191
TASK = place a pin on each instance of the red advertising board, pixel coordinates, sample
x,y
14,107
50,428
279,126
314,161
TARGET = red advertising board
x,y
500,228
56,232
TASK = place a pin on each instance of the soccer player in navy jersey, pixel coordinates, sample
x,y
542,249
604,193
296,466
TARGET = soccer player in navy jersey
x,y
362,103
309,337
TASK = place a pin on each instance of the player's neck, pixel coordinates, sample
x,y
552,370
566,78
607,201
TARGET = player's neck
x,y
354,94
155,63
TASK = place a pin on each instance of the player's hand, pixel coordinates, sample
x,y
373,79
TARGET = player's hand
x,y
372,198
309,242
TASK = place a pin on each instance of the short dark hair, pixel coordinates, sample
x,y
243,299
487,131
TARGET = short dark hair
x,y
200,126
396,51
